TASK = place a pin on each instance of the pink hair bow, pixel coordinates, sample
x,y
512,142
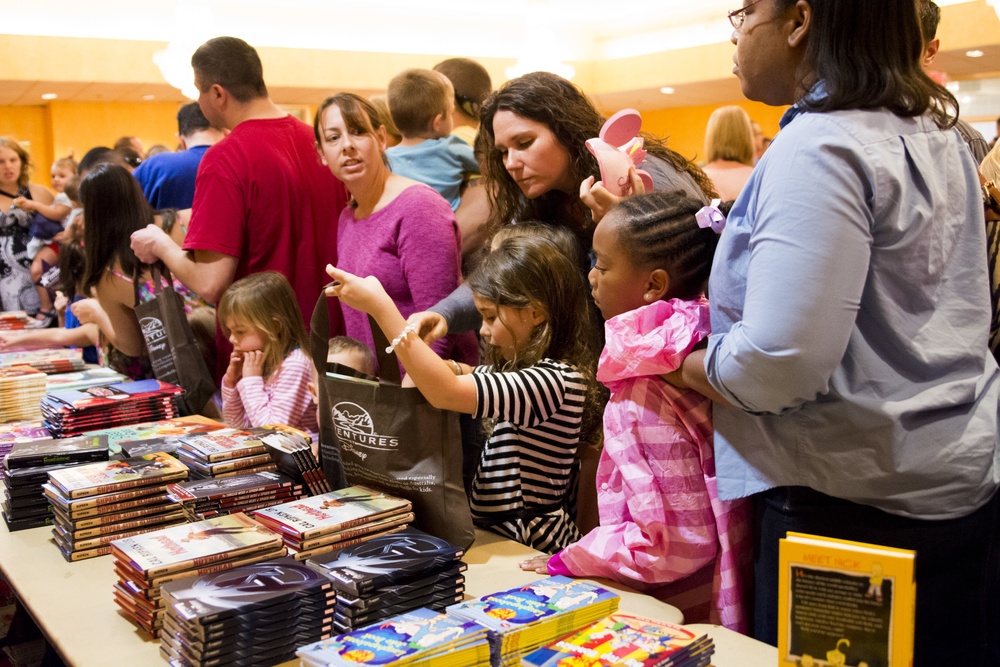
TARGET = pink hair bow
x,y
711,217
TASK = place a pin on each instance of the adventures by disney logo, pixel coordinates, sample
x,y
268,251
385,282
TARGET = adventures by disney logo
x,y
154,333
354,426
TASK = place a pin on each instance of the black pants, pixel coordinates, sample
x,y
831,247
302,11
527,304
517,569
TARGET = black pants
x,y
957,569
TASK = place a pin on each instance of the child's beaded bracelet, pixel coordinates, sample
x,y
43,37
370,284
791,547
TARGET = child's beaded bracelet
x,y
408,329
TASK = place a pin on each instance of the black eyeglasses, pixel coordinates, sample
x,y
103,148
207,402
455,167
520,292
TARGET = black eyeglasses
x,y
737,16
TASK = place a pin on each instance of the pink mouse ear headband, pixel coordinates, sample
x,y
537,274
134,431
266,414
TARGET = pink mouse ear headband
x,y
618,148
710,217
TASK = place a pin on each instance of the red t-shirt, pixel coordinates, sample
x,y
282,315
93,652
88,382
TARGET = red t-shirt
x,y
263,196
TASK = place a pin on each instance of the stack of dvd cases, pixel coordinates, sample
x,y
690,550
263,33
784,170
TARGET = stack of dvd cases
x,y
392,574
251,615
26,468
320,524
144,563
97,503
204,498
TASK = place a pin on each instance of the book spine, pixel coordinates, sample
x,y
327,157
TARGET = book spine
x,y
33,460
112,528
239,453
202,561
105,539
122,486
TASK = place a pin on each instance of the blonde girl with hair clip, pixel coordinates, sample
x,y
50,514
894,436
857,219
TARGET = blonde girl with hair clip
x,y
267,381
537,387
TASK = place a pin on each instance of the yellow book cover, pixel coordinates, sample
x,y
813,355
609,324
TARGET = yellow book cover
x,y
844,603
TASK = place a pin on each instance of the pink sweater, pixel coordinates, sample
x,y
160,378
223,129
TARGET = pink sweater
x,y
283,399
661,517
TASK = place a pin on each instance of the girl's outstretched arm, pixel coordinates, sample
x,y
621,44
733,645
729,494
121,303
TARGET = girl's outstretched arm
x,y
434,376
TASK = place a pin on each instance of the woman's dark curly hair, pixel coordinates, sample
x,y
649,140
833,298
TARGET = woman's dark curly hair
x,y
563,108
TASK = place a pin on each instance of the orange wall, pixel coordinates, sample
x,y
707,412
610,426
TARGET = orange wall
x,y
64,128
684,127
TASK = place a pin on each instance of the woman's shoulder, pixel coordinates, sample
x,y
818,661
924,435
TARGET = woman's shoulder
x,y
412,192
40,193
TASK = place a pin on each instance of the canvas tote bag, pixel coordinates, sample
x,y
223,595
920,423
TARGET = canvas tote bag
x,y
173,352
375,432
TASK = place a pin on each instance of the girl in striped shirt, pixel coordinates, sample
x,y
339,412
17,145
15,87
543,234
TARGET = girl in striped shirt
x,y
663,528
268,378
536,390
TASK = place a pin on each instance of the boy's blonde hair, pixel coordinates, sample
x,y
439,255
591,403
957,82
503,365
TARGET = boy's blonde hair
x,y
416,97
267,302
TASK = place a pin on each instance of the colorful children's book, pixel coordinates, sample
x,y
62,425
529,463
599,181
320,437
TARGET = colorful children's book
x,y
111,476
844,603
152,434
331,512
626,640
419,635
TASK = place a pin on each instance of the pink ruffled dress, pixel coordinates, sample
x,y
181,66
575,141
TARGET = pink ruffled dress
x,y
663,528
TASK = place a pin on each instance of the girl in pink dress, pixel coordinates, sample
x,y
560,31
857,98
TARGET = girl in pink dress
x,y
662,526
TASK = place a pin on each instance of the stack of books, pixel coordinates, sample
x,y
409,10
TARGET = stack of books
x,y
250,615
55,360
145,562
73,411
22,431
320,524
523,619
226,452
292,452
106,485
622,639
89,377
205,498
26,468
156,436
418,637
392,574
21,391
14,320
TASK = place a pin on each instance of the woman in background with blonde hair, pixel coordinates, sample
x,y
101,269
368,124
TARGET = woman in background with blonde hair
x,y
729,150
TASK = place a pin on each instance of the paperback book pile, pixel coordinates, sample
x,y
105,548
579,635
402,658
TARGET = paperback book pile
x,y
101,502
320,524
392,574
26,468
156,436
145,562
418,637
250,615
13,320
526,618
292,452
74,411
22,431
88,377
622,639
56,360
228,452
21,392
204,498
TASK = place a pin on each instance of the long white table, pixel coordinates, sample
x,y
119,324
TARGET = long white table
x,y
73,605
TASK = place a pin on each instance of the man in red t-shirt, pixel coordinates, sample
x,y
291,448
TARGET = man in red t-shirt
x,y
263,201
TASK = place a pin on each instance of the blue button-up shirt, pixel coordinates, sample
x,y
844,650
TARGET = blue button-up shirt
x,y
850,314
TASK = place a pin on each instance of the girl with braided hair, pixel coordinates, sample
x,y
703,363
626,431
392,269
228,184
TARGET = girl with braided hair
x,y
663,528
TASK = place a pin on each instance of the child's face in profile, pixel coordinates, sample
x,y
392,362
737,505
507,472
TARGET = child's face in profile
x,y
59,177
243,336
508,329
617,285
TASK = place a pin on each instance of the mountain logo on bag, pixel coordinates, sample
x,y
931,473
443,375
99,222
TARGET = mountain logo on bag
x,y
154,333
354,426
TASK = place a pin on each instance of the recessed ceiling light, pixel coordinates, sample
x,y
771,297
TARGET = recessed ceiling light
x,y
49,96
975,53
667,90
953,86
149,97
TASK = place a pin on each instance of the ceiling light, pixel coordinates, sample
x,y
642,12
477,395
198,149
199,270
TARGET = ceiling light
x,y
149,97
975,53
953,86
49,96
667,90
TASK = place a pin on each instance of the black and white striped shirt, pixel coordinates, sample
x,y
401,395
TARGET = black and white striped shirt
x,y
527,462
